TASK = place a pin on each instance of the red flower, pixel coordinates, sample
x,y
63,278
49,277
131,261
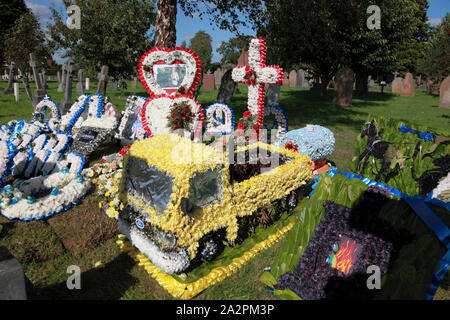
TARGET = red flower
x,y
241,126
247,114
256,127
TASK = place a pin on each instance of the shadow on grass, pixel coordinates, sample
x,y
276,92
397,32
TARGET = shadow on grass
x,y
108,282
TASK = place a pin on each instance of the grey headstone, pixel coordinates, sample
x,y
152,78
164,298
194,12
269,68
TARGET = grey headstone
x,y
218,74
11,79
134,83
343,87
114,85
102,80
301,79
293,79
227,88
273,95
12,278
62,83
66,102
80,90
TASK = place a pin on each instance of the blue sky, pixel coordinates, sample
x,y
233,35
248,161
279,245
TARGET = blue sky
x,y
188,27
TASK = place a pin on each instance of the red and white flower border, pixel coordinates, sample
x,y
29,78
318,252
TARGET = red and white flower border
x,y
256,75
175,55
163,103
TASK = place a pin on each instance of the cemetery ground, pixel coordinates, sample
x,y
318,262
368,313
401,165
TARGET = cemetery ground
x,y
85,236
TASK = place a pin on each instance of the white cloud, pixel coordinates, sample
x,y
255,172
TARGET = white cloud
x,y
40,10
435,21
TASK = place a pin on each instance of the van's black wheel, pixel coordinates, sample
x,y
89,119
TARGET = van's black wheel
x,y
291,201
210,246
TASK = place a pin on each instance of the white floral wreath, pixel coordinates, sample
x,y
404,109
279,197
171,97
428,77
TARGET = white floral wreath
x,y
134,105
220,119
73,119
47,103
95,108
157,109
18,201
169,56
280,118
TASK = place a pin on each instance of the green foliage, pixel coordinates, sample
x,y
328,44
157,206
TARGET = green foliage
x,y
113,33
10,11
180,116
232,49
25,37
404,143
436,63
201,45
410,274
328,34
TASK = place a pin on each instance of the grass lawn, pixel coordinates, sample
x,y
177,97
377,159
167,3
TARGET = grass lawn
x,y
84,236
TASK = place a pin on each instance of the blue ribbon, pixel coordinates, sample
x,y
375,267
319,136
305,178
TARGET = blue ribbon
x,y
423,135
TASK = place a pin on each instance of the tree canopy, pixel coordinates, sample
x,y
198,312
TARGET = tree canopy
x,y
201,45
113,33
231,49
10,11
26,37
436,62
327,34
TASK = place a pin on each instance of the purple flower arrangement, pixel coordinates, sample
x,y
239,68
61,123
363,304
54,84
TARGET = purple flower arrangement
x,y
345,243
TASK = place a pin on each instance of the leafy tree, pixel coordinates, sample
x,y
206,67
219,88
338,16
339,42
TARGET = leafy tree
x,y
113,33
328,34
231,50
10,11
224,13
26,37
201,45
436,62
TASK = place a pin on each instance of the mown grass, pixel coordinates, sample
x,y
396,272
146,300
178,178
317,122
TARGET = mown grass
x,y
109,274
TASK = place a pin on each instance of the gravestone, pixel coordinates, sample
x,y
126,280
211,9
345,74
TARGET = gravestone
x,y
408,86
293,79
301,79
273,95
114,84
66,102
11,78
397,85
134,83
16,91
39,93
87,84
371,84
62,83
80,90
227,88
285,80
12,277
444,98
209,82
218,74
44,79
103,80
343,87
243,58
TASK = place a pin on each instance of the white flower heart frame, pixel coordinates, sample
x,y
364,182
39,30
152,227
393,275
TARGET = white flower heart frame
x,y
161,56
155,112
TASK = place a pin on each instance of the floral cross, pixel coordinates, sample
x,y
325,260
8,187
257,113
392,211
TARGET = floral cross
x,y
256,75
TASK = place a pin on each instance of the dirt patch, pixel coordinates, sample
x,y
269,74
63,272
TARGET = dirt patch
x,y
30,241
83,227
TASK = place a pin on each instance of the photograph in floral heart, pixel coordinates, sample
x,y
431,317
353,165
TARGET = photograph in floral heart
x,y
225,150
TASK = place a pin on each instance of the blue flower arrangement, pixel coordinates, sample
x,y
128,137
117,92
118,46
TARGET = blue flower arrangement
x,y
315,141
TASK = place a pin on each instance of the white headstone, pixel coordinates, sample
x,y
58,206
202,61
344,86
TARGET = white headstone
x,y
16,91
87,83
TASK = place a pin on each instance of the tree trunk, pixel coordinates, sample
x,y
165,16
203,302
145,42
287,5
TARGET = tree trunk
x,y
361,82
166,18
